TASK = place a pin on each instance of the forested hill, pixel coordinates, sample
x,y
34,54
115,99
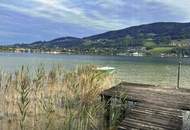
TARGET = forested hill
x,y
161,30
148,35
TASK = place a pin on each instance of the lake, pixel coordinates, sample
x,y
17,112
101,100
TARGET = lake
x,y
150,70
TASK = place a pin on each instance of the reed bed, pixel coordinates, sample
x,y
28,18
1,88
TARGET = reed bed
x,y
54,99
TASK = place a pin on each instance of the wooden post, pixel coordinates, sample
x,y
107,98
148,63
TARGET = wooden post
x,y
107,100
178,74
180,55
123,109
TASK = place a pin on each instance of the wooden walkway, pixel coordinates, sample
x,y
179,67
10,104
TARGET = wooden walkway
x,y
155,108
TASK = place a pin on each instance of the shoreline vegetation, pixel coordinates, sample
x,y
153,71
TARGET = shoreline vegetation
x,y
55,99
158,51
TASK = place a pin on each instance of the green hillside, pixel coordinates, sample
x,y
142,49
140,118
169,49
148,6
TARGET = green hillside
x,y
162,37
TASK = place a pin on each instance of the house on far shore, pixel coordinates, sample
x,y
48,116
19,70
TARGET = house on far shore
x,y
136,54
21,50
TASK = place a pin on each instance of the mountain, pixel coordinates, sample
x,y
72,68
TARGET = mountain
x,y
148,35
63,42
154,30
162,33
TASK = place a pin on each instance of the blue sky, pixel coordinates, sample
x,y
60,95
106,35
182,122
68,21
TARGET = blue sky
x,y
33,20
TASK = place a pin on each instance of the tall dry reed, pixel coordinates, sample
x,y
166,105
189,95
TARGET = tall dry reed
x,y
54,99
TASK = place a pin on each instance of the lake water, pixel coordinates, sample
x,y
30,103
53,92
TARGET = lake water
x,y
150,70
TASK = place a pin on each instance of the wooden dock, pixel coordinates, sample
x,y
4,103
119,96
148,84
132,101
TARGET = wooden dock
x,y
155,108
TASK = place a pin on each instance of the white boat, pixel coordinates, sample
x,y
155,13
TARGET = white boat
x,y
185,56
106,68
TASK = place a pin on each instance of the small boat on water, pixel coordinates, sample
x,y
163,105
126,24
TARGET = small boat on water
x,y
106,69
185,56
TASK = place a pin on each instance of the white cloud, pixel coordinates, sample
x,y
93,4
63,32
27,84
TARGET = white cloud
x,y
111,3
65,11
179,7
79,12
59,5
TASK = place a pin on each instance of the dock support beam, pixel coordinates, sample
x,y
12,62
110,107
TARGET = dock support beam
x,y
180,56
178,74
107,100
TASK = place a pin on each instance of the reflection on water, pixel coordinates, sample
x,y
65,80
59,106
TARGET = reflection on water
x,y
151,70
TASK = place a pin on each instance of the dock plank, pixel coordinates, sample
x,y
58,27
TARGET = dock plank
x,y
167,97
156,108
145,118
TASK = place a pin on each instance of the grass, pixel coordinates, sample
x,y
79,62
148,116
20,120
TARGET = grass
x,y
159,50
54,99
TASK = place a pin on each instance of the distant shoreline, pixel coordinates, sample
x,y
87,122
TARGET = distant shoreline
x,y
90,54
